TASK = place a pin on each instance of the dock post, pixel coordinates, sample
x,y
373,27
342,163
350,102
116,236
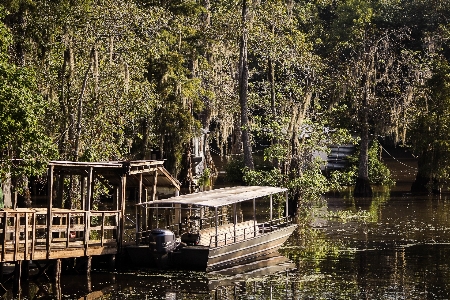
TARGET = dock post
x,y
25,269
57,270
17,277
57,279
88,265
111,262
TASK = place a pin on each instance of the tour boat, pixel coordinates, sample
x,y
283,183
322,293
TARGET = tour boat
x,y
212,230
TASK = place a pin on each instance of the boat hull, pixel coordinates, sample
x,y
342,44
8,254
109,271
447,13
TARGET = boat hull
x,y
213,258
251,249
216,258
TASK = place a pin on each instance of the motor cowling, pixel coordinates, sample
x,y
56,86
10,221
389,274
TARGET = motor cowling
x,y
162,240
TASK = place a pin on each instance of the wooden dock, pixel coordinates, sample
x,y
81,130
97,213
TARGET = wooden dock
x,y
48,235
73,233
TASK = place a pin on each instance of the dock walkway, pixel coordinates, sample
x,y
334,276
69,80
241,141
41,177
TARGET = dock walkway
x,y
73,233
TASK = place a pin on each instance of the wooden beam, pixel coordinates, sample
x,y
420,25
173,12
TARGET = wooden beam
x,y
271,209
4,229
154,186
27,237
122,198
139,213
254,216
83,192
102,238
87,231
60,194
145,215
68,230
16,234
49,209
89,189
33,237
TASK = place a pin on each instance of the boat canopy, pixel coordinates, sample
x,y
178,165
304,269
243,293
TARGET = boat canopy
x,y
220,197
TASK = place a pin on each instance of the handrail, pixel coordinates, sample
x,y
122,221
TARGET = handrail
x,y
25,231
268,226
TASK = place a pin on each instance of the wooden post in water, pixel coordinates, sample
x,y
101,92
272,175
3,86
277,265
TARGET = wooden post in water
x,y
57,279
111,262
57,270
25,269
88,265
17,277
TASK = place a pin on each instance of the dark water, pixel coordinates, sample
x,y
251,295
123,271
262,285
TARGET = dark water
x,y
393,246
388,247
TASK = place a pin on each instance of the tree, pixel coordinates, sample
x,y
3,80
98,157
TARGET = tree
x,y
430,135
243,86
24,147
376,79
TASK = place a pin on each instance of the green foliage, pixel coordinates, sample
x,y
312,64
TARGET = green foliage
x,y
234,170
311,184
264,178
378,171
205,178
430,136
24,147
148,74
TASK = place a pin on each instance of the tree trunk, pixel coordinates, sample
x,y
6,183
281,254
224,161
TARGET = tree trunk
x,y
362,187
271,77
80,105
6,188
243,88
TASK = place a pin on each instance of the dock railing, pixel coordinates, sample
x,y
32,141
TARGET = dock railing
x,y
24,232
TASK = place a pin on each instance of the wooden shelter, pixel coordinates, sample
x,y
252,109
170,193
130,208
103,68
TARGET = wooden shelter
x,y
143,177
46,235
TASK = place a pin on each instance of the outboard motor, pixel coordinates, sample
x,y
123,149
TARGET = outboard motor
x,y
190,239
162,240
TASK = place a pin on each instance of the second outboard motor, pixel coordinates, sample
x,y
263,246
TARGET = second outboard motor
x,y
162,240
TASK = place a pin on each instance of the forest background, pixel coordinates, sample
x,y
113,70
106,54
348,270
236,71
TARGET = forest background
x,y
103,80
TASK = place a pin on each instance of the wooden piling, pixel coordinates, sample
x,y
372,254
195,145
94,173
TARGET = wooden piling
x,y
88,265
111,262
57,271
17,277
25,269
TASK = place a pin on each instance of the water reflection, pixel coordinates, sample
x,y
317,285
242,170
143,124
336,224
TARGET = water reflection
x,y
394,246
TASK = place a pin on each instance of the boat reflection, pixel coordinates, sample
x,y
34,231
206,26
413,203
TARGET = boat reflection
x,y
154,284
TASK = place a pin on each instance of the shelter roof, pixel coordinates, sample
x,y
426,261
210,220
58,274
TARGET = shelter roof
x,y
221,197
112,171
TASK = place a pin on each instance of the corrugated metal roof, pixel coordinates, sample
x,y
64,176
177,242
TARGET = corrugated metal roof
x,y
221,197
